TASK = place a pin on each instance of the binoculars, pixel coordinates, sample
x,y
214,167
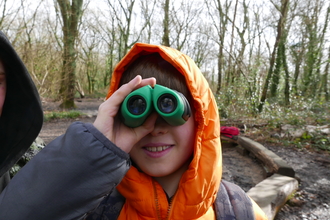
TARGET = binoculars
x,y
171,105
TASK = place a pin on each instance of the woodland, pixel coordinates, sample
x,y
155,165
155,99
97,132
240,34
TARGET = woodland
x,y
266,60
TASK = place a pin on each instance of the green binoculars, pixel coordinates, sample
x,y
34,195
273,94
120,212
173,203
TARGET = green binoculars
x,y
171,105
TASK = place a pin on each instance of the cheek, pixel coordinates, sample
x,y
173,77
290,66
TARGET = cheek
x,y
2,96
186,133
188,129
134,153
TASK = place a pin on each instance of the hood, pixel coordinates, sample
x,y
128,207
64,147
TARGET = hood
x,y
199,184
22,115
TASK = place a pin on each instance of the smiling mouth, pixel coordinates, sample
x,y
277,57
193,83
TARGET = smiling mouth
x,y
157,149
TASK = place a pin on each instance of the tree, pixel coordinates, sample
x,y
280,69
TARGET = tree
x,y
124,25
230,68
89,56
185,19
71,13
311,25
147,11
323,82
220,20
280,31
325,78
8,15
28,31
166,24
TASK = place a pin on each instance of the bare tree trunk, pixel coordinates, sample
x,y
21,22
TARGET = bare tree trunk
x,y
230,70
254,62
166,24
325,78
123,26
147,12
128,15
220,66
298,53
286,79
9,17
71,14
28,31
220,23
185,22
2,17
320,57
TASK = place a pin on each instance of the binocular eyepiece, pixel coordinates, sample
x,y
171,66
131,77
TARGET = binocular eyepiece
x,y
171,105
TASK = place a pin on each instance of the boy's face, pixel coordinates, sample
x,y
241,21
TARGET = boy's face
x,y
2,86
166,150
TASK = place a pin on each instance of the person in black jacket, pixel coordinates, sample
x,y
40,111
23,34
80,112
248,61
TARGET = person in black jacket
x,y
21,115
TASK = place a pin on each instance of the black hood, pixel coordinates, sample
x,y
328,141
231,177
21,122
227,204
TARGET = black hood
x,y
22,116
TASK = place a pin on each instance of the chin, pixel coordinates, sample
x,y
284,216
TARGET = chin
x,y
157,174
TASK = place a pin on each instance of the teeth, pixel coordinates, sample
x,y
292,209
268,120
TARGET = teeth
x,y
157,149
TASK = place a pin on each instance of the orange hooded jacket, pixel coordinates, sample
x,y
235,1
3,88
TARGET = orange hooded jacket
x,y
198,187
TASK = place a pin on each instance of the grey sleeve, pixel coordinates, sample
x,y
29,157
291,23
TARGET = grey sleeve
x,y
67,179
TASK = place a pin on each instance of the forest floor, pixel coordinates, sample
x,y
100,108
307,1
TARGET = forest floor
x,y
311,201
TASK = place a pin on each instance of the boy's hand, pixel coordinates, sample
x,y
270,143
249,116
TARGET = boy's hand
x,y
107,122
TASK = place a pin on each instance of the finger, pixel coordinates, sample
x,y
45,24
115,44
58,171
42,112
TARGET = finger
x,y
147,126
148,81
119,95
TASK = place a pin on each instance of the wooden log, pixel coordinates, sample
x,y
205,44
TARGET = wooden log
x,y
232,140
274,163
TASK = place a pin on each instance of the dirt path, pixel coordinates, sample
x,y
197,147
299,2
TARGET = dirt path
x,y
312,201
55,128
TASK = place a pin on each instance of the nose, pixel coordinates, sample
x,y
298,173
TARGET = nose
x,y
161,127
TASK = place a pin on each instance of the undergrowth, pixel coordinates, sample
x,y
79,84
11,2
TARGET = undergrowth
x,y
267,127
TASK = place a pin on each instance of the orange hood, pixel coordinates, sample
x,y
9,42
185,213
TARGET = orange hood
x,y
200,183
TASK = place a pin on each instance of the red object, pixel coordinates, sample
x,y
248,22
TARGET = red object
x,y
229,131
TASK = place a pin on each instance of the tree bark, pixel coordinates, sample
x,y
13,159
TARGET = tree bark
x,y
325,78
320,57
230,75
71,14
286,78
166,24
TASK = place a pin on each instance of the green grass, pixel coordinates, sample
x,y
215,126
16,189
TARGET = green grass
x,y
62,115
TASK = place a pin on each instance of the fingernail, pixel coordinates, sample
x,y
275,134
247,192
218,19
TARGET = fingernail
x,y
139,80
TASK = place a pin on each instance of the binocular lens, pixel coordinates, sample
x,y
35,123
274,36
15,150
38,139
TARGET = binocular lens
x,y
166,103
136,105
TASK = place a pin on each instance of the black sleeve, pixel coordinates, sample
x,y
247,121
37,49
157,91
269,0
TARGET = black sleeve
x,y
67,178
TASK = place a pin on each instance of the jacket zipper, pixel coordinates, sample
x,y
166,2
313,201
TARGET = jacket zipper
x,y
157,204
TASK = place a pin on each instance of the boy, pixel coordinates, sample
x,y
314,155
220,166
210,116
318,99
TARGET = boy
x,y
174,171
21,115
